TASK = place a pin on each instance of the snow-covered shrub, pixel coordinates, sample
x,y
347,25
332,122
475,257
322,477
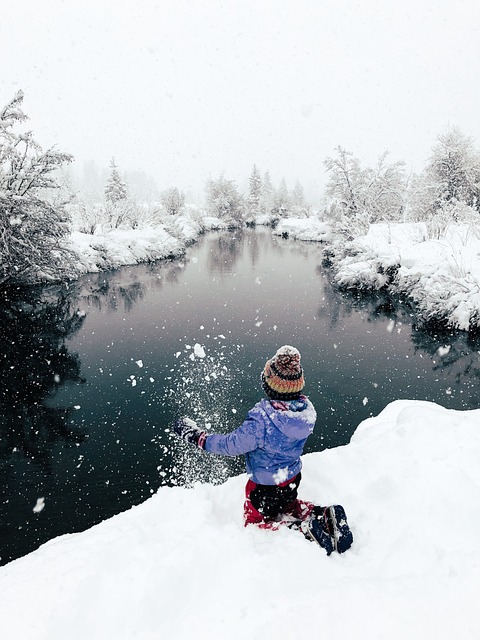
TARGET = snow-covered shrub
x,y
365,272
452,213
173,201
184,227
87,218
100,217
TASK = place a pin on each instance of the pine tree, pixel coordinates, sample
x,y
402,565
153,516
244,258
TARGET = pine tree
x,y
115,189
255,192
268,192
281,200
32,228
299,206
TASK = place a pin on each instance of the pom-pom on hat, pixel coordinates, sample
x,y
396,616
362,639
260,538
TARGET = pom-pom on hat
x,y
282,377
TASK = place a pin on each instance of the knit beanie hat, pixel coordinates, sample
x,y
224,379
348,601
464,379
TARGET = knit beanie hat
x,y
282,377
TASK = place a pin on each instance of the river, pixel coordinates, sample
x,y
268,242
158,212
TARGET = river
x,y
94,373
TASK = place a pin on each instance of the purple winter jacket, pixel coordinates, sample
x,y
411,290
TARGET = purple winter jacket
x,y
272,440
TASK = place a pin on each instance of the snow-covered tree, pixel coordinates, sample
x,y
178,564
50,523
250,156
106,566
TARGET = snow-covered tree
x,y
267,194
299,206
362,196
281,200
173,200
115,189
298,195
448,190
255,192
384,191
454,167
32,228
224,201
346,182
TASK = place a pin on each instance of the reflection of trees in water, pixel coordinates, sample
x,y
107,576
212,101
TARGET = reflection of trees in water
x,y
455,353
253,248
114,288
104,290
224,251
34,325
376,306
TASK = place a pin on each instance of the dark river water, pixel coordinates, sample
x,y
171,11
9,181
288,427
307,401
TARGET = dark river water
x,y
93,374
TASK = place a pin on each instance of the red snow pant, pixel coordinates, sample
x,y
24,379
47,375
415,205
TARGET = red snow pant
x,y
270,506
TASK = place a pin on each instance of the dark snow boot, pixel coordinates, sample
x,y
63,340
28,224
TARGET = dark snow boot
x,y
328,527
337,519
314,528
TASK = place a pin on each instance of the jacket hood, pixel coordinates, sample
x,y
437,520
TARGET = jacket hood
x,y
293,424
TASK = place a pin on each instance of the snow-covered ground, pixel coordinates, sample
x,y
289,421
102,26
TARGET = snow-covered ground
x,y
181,565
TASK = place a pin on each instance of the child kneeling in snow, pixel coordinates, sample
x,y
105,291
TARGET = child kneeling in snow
x,y
272,438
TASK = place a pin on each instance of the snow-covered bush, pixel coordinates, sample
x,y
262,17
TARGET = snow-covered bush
x,y
173,201
452,213
99,217
32,225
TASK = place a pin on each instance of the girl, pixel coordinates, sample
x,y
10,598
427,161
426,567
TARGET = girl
x,y
272,438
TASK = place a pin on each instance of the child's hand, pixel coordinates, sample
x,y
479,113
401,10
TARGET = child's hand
x,y
187,430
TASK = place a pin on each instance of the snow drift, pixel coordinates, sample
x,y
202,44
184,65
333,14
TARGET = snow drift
x,y
441,276
181,565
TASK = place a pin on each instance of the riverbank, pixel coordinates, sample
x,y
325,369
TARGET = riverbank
x,y
117,248
183,561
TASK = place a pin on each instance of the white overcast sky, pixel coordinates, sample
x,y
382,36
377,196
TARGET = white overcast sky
x,y
187,90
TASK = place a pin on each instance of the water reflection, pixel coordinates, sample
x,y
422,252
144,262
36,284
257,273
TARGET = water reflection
x,y
224,252
453,354
35,325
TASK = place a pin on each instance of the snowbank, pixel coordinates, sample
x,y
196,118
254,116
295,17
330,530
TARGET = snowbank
x,y
120,247
310,229
442,276
182,566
